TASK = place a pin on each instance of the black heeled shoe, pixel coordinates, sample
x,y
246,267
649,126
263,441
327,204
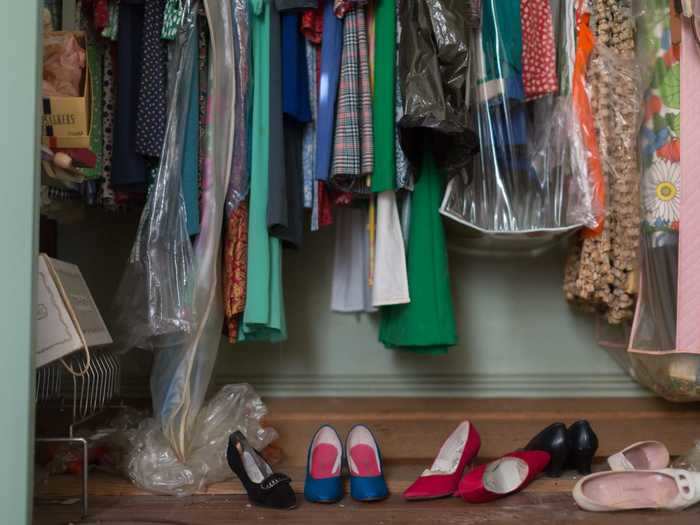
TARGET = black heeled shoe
x,y
583,444
552,440
264,487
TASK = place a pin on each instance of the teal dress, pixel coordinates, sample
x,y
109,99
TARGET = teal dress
x,y
263,318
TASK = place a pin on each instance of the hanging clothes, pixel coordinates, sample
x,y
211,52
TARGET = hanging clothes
x,y
350,291
288,222
331,53
153,91
434,66
353,154
384,176
390,280
263,318
404,176
236,229
602,269
539,55
240,169
295,5
235,269
190,154
128,166
427,323
277,208
309,139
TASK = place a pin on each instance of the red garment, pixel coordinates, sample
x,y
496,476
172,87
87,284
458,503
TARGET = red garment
x,y
325,206
312,24
101,14
235,269
539,54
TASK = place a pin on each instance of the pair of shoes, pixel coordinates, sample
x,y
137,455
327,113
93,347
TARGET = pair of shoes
x,y
264,487
639,479
325,460
574,447
487,482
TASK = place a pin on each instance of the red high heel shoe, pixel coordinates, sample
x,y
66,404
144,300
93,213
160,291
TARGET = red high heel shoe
x,y
442,478
502,477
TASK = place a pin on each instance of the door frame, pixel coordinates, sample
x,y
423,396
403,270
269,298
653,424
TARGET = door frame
x,y
19,138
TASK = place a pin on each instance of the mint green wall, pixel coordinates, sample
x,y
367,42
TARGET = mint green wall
x,y
19,68
518,337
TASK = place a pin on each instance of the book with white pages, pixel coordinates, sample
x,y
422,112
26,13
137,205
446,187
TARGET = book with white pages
x,y
65,306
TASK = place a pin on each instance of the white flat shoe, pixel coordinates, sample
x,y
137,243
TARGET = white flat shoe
x,y
644,455
669,489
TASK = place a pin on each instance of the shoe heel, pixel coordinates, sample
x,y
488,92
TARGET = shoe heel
x,y
583,461
556,468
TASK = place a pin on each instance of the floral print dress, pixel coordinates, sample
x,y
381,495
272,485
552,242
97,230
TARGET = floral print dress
x,y
660,138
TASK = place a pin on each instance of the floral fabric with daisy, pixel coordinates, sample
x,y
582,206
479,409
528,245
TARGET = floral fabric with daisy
x,y
660,137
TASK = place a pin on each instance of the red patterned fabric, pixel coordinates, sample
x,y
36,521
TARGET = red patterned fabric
x,y
235,269
312,24
539,54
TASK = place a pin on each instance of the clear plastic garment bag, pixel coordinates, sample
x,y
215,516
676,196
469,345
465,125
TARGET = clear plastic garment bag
x,y
531,173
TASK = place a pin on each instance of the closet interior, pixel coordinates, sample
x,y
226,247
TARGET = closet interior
x,y
436,255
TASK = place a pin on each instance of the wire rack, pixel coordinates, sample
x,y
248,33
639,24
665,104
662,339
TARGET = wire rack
x,y
91,393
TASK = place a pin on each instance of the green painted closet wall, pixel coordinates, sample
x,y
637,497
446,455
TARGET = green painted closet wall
x,y
517,335
19,74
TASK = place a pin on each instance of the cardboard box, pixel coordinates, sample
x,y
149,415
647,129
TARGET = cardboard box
x,y
66,120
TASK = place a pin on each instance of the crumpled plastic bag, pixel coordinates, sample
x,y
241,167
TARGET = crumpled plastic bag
x,y
434,66
690,460
64,62
151,463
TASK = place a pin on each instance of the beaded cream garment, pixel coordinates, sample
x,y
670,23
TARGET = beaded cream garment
x,y
601,271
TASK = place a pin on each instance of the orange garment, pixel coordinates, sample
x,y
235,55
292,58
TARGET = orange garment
x,y
235,269
582,107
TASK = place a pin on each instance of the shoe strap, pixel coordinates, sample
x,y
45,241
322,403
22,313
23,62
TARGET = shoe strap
x,y
685,485
273,480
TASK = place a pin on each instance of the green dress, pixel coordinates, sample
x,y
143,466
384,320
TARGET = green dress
x,y
384,122
427,323
263,318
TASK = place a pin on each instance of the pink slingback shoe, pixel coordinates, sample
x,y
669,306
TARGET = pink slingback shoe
x,y
645,455
442,478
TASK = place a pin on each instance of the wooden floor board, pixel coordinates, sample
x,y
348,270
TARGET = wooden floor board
x,y
410,432
529,508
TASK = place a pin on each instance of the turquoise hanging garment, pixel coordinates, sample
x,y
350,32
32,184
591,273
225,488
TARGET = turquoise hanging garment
x,y
427,323
190,155
263,318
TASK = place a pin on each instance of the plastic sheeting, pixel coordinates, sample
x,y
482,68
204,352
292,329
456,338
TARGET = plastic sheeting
x,y
154,304
239,183
170,296
181,373
151,463
434,65
531,174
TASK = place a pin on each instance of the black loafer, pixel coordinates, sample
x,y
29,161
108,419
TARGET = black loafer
x,y
264,487
553,440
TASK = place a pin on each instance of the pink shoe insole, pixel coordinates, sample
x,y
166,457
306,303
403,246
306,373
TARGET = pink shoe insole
x,y
631,490
324,458
365,461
